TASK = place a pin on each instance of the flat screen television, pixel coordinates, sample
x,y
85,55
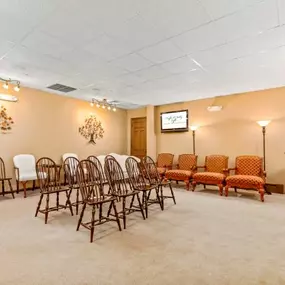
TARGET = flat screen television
x,y
176,121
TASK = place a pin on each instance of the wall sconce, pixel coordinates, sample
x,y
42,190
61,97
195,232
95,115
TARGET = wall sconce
x,y
7,81
9,98
194,129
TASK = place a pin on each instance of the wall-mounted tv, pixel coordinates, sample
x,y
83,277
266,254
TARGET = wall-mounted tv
x,y
176,121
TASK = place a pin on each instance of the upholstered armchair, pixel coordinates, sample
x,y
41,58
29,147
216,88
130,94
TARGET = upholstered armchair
x,y
249,174
186,167
164,162
25,168
215,170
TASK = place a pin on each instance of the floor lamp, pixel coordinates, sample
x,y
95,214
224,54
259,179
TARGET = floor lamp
x,y
193,129
264,124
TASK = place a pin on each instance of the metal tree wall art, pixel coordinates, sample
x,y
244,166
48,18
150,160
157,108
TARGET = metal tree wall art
x,y
92,129
5,120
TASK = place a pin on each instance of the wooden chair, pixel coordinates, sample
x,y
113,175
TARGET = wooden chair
x,y
121,188
4,178
154,178
49,180
138,182
215,171
70,165
249,174
91,187
25,168
164,162
186,167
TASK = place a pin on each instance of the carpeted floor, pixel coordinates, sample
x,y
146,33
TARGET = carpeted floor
x,y
204,239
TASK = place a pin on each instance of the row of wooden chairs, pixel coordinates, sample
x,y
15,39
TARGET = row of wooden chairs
x,y
88,177
248,172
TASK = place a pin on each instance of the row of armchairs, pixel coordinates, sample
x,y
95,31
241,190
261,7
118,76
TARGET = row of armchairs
x,y
248,172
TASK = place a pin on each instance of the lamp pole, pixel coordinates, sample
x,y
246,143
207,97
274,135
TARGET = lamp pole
x,y
263,124
193,129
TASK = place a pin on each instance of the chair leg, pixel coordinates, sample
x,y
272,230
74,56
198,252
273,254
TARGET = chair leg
x,y
11,189
172,194
77,201
144,202
92,223
177,182
132,202
47,208
109,210
3,188
57,200
116,214
194,183
162,198
17,183
159,199
235,189
227,190
100,213
68,193
81,216
24,183
261,192
34,185
187,182
124,211
141,206
221,189
39,204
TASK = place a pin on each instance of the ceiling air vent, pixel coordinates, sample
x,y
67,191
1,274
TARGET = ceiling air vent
x,y
61,88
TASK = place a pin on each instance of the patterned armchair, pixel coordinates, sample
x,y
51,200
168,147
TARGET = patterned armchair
x,y
186,166
215,169
249,174
164,162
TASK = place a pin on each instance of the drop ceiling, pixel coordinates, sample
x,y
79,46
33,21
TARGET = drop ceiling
x,y
141,52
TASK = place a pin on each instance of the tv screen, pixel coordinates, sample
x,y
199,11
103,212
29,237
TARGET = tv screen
x,y
176,121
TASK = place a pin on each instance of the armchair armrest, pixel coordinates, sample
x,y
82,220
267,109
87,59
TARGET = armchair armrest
x,y
17,172
200,166
227,170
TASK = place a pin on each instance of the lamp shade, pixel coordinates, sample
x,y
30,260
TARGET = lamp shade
x,y
193,128
263,123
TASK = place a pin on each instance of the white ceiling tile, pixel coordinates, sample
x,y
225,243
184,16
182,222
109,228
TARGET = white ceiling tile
x,y
281,11
5,46
132,62
108,48
47,45
153,72
179,65
220,8
175,17
164,51
130,79
202,38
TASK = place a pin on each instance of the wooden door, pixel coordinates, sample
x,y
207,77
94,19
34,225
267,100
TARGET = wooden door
x,y
138,137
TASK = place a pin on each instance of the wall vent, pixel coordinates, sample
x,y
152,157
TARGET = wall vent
x,y
61,88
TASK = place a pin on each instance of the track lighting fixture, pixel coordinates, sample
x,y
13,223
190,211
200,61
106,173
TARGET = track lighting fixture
x,y
104,104
7,81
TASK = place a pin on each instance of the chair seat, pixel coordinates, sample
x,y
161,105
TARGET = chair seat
x,y
209,177
178,174
245,181
27,176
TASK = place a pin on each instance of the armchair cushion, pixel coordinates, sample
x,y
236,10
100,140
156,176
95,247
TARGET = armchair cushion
x,y
27,176
209,177
245,181
178,174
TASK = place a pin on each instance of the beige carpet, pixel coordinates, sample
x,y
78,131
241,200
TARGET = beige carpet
x,y
204,239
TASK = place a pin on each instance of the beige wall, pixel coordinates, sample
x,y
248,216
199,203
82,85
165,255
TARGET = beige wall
x,y
47,125
233,131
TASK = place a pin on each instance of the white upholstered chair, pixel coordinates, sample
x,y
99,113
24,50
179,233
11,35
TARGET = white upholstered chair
x,y
25,170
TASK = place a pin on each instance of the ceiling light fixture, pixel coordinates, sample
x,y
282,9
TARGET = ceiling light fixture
x,y
104,104
7,81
